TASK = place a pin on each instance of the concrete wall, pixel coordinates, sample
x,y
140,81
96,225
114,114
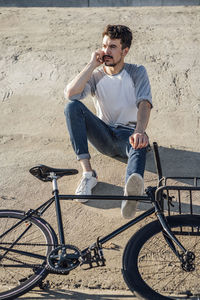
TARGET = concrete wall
x,y
95,3
143,2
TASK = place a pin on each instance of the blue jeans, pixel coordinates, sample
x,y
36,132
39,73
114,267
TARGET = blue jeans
x,y
83,125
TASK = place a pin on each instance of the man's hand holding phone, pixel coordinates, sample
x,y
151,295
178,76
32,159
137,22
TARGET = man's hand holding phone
x,y
97,58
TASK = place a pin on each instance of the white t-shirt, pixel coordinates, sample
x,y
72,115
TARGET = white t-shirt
x,y
116,97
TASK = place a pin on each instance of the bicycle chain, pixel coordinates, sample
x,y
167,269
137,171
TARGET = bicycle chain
x,y
47,266
28,244
24,244
21,262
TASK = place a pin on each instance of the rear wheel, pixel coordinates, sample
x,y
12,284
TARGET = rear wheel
x,y
151,269
23,252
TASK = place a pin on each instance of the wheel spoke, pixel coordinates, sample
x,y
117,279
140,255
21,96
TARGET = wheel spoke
x,y
156,265
23,252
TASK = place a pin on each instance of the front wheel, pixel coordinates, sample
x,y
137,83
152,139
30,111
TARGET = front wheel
x,y
24,246
150,268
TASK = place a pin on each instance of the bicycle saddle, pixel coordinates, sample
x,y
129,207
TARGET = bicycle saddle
x,y
42,172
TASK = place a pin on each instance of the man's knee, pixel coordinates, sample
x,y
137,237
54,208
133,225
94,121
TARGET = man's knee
x,y
73,106
137,152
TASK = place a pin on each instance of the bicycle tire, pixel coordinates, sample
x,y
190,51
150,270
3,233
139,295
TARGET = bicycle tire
x,y
21,273
150,268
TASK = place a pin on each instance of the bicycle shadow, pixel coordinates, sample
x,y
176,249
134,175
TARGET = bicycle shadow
x,y
174,162
78,295
72,295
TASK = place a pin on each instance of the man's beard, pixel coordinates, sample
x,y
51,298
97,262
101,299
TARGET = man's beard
x,y
110,65
114,63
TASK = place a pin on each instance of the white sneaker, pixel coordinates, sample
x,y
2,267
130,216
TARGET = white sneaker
x,y
133,187
88,182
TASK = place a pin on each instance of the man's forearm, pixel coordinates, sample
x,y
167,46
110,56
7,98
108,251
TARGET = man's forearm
x,y
143,116
139,139
77,85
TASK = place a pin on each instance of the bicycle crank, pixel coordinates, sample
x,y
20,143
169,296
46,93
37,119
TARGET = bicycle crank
x,y
63,259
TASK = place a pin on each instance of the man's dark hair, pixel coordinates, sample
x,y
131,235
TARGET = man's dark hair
x,y
119,32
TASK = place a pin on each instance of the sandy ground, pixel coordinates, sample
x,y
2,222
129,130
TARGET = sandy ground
x,y
41,49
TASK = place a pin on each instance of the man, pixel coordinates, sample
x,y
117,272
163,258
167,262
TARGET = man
x,y
122,98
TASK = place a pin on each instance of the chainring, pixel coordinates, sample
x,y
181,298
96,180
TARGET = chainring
x,y
63,259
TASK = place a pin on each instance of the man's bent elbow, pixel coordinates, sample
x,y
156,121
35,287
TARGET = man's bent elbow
x,y
68,93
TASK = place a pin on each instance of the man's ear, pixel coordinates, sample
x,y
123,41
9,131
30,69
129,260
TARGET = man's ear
x,y
125,51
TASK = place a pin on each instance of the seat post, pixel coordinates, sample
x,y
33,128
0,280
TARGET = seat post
x,y
58,208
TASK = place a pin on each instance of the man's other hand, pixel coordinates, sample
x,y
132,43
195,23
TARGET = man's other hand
x,y
139,140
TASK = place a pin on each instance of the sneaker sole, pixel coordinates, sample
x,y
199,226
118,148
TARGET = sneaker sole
x,y
81,200
134,187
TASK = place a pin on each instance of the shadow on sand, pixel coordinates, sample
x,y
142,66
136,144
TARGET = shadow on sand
x,y
70,295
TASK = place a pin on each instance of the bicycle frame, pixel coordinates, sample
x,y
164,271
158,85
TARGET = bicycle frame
x,y
57,198
168,234
154,196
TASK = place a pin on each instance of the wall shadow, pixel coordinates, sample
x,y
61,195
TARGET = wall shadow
x,y
174,162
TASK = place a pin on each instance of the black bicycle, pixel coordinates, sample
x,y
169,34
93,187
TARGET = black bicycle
x,y
160,261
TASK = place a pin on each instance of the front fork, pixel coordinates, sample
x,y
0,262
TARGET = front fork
x,y
186,257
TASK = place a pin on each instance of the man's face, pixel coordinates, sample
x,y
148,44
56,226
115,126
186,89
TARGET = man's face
x,y
112,49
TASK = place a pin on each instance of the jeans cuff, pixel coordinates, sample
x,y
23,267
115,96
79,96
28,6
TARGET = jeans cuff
x,y
83,156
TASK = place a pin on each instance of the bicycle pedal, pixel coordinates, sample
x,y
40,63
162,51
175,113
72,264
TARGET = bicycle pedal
x,y
94,258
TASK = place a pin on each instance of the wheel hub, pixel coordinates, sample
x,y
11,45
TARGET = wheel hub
x,y
188,261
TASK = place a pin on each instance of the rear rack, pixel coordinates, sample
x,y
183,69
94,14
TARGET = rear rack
x,y
179,195
176,195
189,180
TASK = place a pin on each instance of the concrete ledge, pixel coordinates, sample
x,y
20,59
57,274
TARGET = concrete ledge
x,y
99,3
44,3
95,3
